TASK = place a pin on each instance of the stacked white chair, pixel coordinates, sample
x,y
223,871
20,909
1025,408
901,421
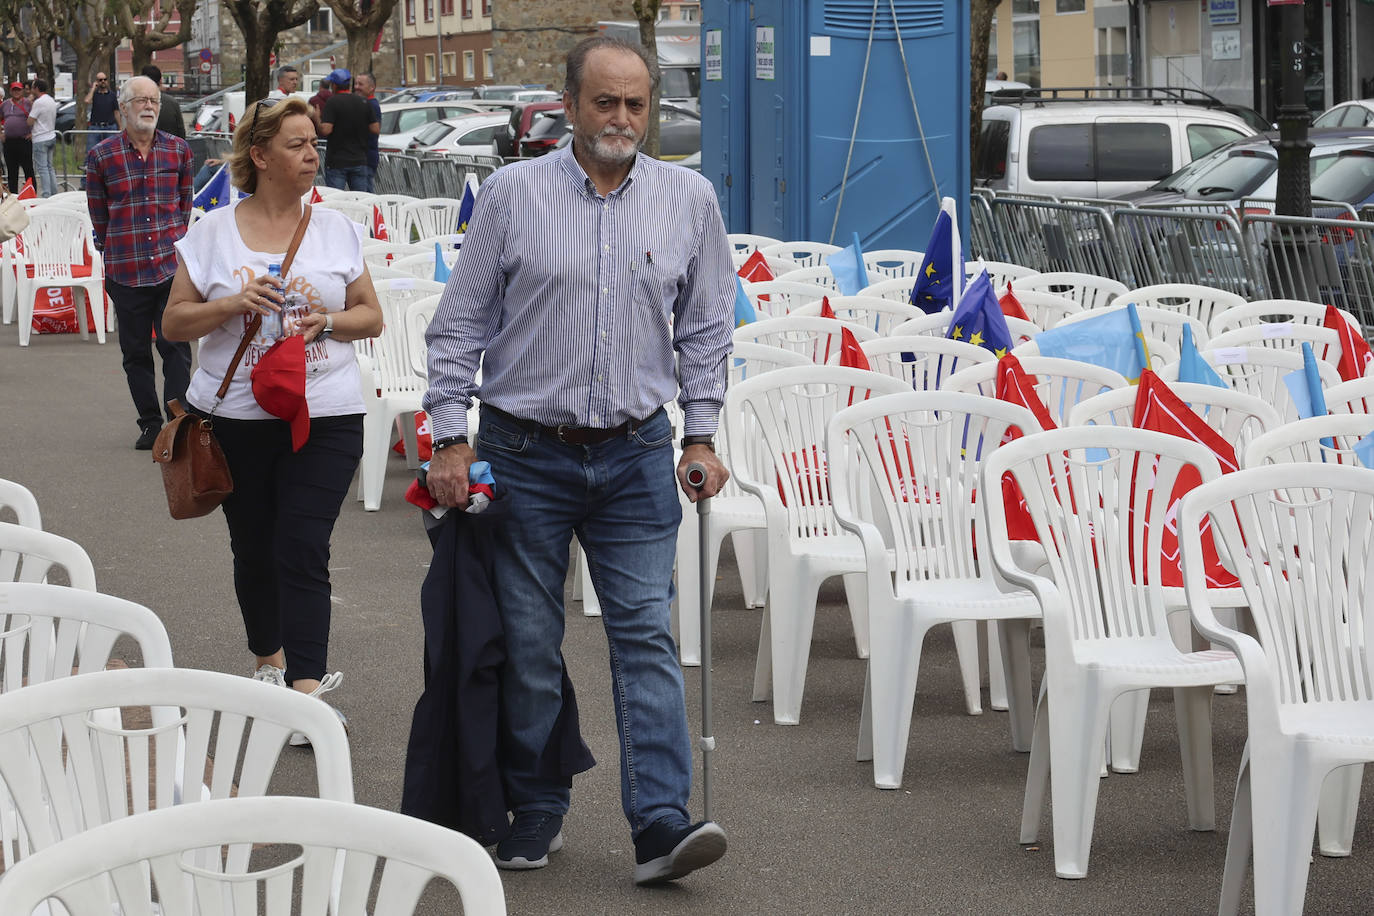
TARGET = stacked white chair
x,y
999,272
1268,311
779,266
1325,343
934,324
56,241
421,264
1061,383
898,289
891,263
814,337
1088,290
776,298
385,861
32,555
1203,303
877,314
1045,310
1354,396
1158,325
1101,523
920,454
746,243
787,410
923,362
426,217
1260,371
1300,538
817,275
804,254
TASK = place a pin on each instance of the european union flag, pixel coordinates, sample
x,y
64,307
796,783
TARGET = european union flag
x,y
934,287
441,269
744,309
847,265
979,320
1112,339
216,192
1192,367
469,201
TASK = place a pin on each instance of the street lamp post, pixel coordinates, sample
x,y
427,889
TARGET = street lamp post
x,y
1294,196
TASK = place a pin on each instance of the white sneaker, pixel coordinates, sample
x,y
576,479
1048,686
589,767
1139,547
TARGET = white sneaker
x,y
270,674
328,683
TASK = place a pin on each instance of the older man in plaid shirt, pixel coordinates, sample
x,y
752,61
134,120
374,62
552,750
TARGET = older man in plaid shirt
x,y
138,189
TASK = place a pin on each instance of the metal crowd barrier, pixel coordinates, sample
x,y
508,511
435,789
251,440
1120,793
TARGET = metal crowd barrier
x,y
983,241
1184,246
1047,235
1319,260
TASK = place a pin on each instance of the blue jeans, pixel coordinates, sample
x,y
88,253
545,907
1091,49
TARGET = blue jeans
x,y
619,498
42,166
353,178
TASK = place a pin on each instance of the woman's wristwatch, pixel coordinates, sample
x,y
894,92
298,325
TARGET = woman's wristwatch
x,y
328,328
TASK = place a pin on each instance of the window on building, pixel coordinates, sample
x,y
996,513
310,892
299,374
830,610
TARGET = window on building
x,y
467,9
412,73
688,13
410,12
469,65
486,7
429,10
1025,40
992,50
445,7
430,75
450,63
1111,57
1070,6
322,21
489,63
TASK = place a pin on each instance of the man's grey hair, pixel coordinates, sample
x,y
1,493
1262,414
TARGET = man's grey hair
x,y
282,71
126,92
577,61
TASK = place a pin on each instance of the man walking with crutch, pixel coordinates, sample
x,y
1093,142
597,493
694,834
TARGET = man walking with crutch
x,y
594,284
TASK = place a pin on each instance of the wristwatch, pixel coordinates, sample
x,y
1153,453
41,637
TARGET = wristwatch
x,y
328,328
708,441
441,444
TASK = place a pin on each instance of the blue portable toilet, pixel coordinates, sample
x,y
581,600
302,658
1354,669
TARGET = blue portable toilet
x,y
727,53
808,62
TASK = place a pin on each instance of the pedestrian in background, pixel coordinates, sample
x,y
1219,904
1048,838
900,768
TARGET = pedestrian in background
x,y
138,191
18,143
594,284
347,123
43,124
169,117
365,85
102,113
319,98
288,81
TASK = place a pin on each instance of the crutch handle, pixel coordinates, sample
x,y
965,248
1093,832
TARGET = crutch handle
x,y
696,475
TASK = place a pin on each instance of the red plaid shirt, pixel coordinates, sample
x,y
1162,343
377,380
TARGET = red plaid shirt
x,y
139,207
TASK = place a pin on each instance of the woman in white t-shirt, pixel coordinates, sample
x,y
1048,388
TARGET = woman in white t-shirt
x,y
285,501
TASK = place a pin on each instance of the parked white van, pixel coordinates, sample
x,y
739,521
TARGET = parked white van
x,y
1098,142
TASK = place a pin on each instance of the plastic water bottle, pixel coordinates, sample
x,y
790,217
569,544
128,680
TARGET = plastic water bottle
x,y
271,322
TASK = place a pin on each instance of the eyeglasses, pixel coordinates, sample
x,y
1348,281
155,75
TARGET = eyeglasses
x,y
259,106
142,100
100,79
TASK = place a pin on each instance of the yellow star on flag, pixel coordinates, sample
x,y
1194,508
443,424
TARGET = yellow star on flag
x,y
463,227
977,338
1000,352
930,269
958,332
214,201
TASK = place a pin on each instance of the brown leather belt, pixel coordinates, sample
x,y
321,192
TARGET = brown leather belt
x,y
572,435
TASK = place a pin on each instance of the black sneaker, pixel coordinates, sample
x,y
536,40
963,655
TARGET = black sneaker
x,y
664,852
533,835
146,438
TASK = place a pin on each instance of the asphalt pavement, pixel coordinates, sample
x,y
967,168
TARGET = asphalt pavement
x,y
809,834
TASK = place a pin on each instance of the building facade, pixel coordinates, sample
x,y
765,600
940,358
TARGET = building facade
x,y
446,43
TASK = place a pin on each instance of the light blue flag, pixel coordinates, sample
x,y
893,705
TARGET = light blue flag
x,y
1305,387
1364,450
441,269
1109,340
744,309
847,265
1192,367
216,192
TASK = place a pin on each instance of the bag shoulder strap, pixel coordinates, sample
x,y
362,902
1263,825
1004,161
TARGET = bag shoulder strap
x,y
256,323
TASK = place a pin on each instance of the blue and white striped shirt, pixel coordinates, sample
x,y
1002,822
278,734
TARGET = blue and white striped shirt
x,y
574,302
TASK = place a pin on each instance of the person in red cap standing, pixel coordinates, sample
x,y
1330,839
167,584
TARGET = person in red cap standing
x,y
291,421
18,142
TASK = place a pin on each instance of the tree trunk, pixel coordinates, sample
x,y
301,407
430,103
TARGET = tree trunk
x,y
980,30
260,22
360,41
147,37
257,80
646,11
362,28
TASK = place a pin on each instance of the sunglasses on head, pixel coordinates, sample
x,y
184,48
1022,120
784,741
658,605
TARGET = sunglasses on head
x,y
259,106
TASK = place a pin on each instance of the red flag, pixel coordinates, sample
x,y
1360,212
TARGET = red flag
x,y
27,192
755,269
1158,408
827,311
1016,386
379,225
424,440
315,196
1355,353
1011,306
851,354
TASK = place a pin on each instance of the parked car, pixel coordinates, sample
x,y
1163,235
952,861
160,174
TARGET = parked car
x,y
66,115
209,118
536,95
1097,143
679,132
496,92
445,95
521,117
1359,113
1350,178
548,128
472,133
401,122
1249,168
408,94
992,87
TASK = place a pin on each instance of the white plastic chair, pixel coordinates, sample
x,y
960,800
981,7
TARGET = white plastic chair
x,y
359,210
1260,371
378,253
818,275
877,314
1268,311
920,455
38,552
803,254
1158,325
815,338
746,243
1045,310
1100,500
426,217
421,264
1087,290
391,206
923,362
1326,343
1354,396
391,389
898,289
1203,303
119,866
783,296
1061,383
1314,440
999,272
779,266
893,263
17,498
56,243
1303,556
787,411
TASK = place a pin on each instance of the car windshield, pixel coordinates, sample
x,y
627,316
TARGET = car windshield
x,y
1350,178
432,133
1223,177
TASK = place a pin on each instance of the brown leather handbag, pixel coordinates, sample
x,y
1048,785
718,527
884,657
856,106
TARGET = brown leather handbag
x,y
195,473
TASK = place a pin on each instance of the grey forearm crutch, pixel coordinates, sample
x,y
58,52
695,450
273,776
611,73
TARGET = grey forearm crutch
x,y
696,478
